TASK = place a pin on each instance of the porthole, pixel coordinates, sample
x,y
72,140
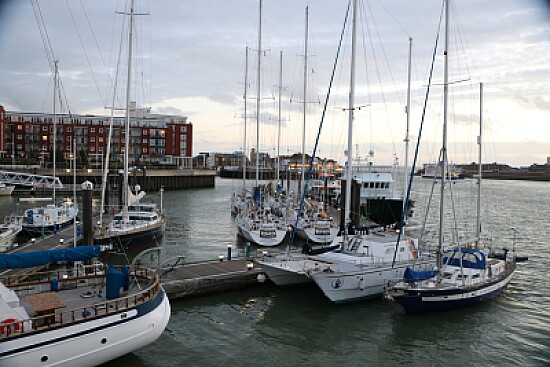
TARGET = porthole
x,y
44,358
104,340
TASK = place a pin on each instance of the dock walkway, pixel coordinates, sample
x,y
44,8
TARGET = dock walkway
x,y
206,277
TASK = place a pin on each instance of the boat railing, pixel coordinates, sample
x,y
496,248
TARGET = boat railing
x,y
76,278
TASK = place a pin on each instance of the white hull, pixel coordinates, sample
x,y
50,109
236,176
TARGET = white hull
x,y
310,235
81,344
255,237
371,282
7,238
289,272
6,190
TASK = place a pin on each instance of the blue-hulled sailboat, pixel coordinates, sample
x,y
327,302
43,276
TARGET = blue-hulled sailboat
x,y
465,275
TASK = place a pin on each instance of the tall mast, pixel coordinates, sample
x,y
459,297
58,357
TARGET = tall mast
x,y
279,129
258,86
407,137
444,147
245,117
127,126
55,88
351,108
480,162
302,180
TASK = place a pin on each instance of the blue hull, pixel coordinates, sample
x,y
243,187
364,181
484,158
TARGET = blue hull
x,y
417,301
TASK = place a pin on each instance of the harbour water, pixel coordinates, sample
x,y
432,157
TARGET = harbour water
x,y
272,326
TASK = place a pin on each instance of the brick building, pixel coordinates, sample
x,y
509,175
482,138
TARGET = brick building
x,y
153,137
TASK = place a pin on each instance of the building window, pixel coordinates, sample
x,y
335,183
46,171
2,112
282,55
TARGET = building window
x,y
19,127
100,139
19,137
69,129
100,149
101,130
44,128
144,150
19,146
145,131
92,139
145,141
183,129
92,149
92,129
44,137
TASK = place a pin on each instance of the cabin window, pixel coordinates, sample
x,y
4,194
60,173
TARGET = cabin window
x,y
475,276
447,275
461,277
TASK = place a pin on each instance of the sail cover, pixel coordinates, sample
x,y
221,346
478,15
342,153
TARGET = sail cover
x,y
31,259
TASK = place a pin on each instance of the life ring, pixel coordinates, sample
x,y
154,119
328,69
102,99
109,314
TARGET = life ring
x,y
47,217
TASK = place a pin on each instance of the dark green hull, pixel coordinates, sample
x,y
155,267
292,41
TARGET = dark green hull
x,y
385,211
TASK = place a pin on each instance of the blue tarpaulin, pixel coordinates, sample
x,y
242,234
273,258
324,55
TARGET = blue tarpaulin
x,y
31,259
412,276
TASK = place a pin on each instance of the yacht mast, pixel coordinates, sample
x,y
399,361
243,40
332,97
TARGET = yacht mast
x,y
258,96
245,117
479,170
127,125
351,108
302,179
55,89
407,136
444,147
279,129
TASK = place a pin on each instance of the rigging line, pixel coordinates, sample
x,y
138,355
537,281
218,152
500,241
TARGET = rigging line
x,y
96,42
406,206
395,20
43,33
319,131
399,97
378,71
85,52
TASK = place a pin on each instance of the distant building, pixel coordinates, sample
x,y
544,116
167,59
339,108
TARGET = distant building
x,y
153,137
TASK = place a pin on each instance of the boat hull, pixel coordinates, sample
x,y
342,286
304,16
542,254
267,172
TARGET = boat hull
x,y
310,235
126,241
384,211
283,276
417,301
36,231
372,282
91,342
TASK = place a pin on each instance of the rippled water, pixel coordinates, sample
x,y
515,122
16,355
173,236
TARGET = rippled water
x,y
272,326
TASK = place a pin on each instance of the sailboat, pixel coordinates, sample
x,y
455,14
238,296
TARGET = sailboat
x,y
355,266
465,274
315,225
84,316
53,217
137,223
258,222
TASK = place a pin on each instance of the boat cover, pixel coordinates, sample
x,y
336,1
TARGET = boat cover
x,y
412,276
31,259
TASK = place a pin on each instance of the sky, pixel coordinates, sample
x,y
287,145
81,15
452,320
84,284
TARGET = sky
x,y
189,59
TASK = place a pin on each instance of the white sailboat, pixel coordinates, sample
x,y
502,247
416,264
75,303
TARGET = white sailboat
x,y
314,225
346,281
6,190
137,223
53,217
465,274
355,266
258,223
